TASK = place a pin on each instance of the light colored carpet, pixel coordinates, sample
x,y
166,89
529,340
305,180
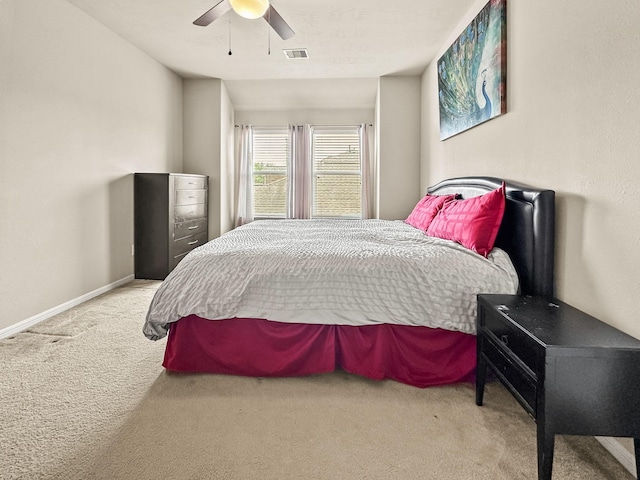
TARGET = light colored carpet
x,y
84,396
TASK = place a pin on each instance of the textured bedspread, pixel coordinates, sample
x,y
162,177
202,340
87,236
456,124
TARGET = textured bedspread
x,y
346,272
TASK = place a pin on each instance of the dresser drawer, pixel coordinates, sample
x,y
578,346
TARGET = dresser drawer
x,y
190,228
521,385
190,183
185,245
190,197
512,338
184,213
176,260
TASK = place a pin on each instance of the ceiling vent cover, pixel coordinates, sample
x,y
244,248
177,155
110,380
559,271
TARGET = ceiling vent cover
x,y
296,53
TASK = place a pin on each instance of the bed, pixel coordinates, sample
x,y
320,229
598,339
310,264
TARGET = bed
x,y
222,313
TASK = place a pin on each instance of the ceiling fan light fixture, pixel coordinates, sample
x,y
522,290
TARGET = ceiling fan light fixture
x,y
250,8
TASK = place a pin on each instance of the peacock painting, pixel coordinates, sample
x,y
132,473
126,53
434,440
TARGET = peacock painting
x,y
472,73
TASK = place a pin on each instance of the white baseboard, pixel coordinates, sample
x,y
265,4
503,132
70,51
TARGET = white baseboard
x,y
624,456
29,322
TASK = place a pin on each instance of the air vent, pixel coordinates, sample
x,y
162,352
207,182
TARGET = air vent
x,y
296,53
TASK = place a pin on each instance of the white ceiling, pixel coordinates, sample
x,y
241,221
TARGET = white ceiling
x,y
350,43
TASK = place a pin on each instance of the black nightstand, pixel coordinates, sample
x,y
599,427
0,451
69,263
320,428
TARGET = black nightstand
x,y
574,374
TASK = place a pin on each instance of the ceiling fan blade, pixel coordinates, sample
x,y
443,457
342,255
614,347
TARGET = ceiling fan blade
x,y
213,13
276,21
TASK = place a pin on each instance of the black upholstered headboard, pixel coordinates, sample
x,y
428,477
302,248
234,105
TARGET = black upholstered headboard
x,y
527,232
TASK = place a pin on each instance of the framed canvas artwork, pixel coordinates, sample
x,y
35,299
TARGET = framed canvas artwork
x,y
472,73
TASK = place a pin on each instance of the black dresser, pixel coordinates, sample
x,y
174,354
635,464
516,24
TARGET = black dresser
x,y
170,220
574,374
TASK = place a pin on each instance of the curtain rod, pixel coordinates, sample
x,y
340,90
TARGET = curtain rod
x,y
315,125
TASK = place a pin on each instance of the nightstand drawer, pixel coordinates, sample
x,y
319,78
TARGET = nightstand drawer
x,y
516,341
521,385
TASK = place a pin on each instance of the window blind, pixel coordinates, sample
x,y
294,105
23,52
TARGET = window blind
x,y
337,179
270,160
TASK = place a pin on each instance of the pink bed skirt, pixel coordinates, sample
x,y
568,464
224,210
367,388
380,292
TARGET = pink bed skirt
x,y
418,356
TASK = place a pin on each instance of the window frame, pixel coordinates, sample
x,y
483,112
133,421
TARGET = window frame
x,y
312,172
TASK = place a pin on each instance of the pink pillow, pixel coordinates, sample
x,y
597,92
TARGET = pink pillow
x,y
426,209
473,222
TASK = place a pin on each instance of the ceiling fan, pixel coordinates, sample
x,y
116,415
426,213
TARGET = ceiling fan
x,y
248,9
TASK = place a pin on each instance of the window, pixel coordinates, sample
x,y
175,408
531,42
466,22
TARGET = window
x,y
334,172
270,165
337,178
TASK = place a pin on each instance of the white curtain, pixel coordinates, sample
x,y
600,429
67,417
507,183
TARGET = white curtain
x,y
366,149
299,188
244,159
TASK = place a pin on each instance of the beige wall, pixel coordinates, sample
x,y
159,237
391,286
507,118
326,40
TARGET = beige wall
x,y
227,162
332,116
208,146
572,126
398,125
80,111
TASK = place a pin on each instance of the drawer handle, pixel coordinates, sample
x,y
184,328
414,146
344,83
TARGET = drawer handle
x,y
192,196
504,339
195,227
193,243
